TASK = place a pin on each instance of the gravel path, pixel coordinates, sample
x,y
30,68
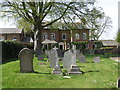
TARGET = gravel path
x,y
115,58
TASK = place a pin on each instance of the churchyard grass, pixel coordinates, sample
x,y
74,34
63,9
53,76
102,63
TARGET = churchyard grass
x,y
96,75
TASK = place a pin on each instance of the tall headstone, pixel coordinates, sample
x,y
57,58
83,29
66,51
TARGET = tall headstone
x,y
74,54
96,59
26,60
68,59
53,57
81,58
56,69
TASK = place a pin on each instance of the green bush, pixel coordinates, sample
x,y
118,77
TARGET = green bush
x,y
10,49
80,44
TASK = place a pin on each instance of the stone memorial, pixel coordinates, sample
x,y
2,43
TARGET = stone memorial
x,y
118,83
56,69
81,58
74,54
53,57
77,53
74,70
92,52
96,59
68,59
26,60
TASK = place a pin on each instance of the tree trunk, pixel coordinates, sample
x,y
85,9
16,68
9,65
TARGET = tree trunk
x,y
38,43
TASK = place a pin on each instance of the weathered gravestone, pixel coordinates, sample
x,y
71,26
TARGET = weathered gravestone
x,y
47,52
92,52
68,59
26,60
74,54
81,58
96,59
74,70
118,83
77,53
56,69
53,57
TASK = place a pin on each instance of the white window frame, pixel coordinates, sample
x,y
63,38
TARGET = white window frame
x,y
77,36
84,36
52,36
62,36
45,36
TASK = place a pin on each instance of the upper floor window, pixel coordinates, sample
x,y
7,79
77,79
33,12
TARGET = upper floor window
x,y
52,36
77,36
45,36
2,37
64,36
84,36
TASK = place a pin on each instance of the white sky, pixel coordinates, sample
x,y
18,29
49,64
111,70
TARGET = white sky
x,y
110,8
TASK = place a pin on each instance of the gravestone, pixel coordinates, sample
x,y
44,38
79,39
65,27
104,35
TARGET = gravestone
x,y
47,52
92,52
26,60
81,58
96,59
53,57
56,69
68,59
74,70
74,54
118,83
39,55
77,53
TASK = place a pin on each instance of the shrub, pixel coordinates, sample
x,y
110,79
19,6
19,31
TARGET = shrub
x,y
10,49
80,44
65,72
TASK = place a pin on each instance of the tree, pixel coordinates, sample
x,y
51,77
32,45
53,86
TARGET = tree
x,y
97,22
36,12
118,37
26,26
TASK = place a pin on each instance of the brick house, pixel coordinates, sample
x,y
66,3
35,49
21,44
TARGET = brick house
x,y
11,34
64,37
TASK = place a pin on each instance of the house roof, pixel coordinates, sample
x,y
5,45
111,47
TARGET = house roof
x,y
48,41
109,43
10,30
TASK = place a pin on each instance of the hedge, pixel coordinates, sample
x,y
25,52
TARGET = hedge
x,y
10,49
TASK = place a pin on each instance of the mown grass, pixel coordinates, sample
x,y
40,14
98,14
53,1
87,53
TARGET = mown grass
x,y
96,75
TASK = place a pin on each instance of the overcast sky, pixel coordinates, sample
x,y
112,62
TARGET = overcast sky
x,y
110,8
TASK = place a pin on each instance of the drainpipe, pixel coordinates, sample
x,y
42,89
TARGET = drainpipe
x,y
71,38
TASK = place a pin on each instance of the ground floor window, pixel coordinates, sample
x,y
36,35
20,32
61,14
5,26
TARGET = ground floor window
x,y
2,37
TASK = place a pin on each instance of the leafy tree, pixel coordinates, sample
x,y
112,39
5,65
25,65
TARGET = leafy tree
x,y
35,13
97,22
118,37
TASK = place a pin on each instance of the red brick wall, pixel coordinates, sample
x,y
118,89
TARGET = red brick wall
x,y
81,31
58,34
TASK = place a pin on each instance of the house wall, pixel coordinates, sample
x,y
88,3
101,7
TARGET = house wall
x,y
81,31
11,36
58,34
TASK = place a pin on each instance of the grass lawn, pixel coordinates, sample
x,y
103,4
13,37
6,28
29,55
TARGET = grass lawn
x,y
96,75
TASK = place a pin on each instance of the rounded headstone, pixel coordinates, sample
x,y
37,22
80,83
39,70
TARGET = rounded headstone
x,y
26,60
